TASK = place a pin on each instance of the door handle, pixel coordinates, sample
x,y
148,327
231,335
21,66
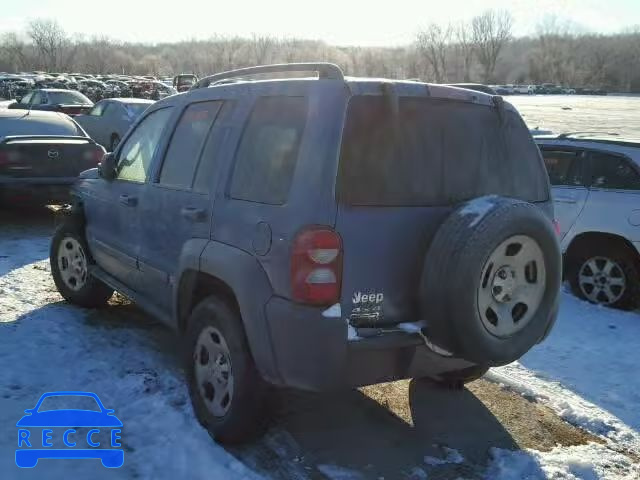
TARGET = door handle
x,y
128,201
194,214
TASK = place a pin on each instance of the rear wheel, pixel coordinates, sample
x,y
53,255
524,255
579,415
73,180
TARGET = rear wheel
x,y
225,387
70,260
605,273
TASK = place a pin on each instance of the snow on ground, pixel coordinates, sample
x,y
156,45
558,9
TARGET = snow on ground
x,y
583,462
584,371
160,436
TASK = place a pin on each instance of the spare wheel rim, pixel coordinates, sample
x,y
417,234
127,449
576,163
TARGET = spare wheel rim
x,y
512,286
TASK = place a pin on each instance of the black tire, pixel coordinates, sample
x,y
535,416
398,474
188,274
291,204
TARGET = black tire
x,y
93,293
617,252
452,272
115,140
243,419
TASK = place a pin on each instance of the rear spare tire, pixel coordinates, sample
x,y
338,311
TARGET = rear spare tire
x,y
491,280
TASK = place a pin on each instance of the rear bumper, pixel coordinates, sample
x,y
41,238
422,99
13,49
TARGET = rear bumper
x,y
313,352
36,190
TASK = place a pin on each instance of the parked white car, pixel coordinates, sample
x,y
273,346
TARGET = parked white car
x,y
596,190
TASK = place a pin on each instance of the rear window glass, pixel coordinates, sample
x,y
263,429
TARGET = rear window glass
x,y
31,125
68,98
438,152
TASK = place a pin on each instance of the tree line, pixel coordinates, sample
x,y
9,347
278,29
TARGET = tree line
x,y
480,50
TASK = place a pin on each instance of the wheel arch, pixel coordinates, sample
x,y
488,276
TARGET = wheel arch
x,y
236,277
586,239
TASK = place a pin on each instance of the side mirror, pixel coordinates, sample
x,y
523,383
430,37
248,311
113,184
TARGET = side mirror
x,y
107,167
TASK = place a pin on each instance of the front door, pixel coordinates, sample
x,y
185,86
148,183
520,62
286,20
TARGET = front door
x,y
568,177
113,207
176,206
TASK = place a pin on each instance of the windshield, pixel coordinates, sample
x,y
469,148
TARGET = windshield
x,y
68,98
440,152
186,81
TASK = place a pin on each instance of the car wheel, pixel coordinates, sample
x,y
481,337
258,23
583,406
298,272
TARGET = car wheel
x,y
605,274
70,260
115,140
225,387
491,281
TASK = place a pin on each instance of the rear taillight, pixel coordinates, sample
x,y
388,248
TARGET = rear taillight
x,y
556,227
316,266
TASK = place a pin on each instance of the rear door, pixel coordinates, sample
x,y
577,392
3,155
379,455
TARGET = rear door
x,y
176,206
402,170
91,122
567,169
614,198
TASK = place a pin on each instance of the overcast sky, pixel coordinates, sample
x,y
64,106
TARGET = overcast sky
x,y
342,22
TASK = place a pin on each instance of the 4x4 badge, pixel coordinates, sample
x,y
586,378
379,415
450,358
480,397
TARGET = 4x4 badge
x,y
358,297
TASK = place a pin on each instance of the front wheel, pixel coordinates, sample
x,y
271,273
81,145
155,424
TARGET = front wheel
x,y
225,387
70,259
606,275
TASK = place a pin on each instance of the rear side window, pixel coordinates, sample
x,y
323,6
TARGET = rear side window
x,y
188,138
564,167
268,151
438,152
610,171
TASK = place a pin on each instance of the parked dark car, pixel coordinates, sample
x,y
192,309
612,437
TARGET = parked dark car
x,y
109,119
70,102
320,233
478,87
41,155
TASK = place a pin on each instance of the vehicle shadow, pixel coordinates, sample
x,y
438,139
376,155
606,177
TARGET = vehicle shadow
x,y
24,236
351,435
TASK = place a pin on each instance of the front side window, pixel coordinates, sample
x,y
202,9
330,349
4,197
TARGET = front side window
x,y
26,99
184,150
268,151
564,167
138,150
610,171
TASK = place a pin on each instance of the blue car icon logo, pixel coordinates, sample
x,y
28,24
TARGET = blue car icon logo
x,y
59,433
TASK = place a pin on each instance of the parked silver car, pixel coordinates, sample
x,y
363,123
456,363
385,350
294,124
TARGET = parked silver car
x,y
109,119
596,192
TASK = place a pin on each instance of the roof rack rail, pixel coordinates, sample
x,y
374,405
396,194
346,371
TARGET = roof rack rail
x,y
326,71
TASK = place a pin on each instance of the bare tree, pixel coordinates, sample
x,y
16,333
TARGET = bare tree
x,y
49,39
432,44
465,48
13,50
262,46
491,31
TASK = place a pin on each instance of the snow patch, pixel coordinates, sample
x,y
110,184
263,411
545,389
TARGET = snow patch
x,y
334,311
478,208
583,462
451,456
334,472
